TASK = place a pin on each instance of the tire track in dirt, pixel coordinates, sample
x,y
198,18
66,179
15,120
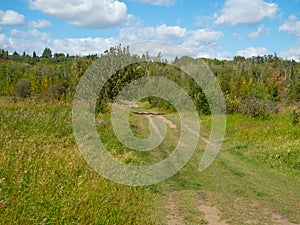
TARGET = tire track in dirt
x,y
154,125
172,205
174,217
211,214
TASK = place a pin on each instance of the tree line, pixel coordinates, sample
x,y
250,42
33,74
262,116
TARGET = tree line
x,y
254,86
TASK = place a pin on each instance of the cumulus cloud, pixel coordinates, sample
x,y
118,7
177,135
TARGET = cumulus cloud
x,y
237,36
39,24
34,40
5,42
84,13
292,26
201,42
11,17
162,32
165,49
156,2
83,46
249,52
28,41
257,33
245,12
292,53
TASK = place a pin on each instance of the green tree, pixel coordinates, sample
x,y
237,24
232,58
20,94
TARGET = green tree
x,y
295,92
47,53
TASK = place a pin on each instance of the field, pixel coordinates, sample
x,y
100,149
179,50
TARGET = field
x,y
45,180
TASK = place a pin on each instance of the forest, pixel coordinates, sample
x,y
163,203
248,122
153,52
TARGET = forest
x,y
254,86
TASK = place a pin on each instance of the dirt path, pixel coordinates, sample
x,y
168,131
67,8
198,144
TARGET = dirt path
x,y
213,145
154,125
168,122
173,216
180,209
211,214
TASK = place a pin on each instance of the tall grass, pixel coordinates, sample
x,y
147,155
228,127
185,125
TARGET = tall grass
x,y
275,140
45,180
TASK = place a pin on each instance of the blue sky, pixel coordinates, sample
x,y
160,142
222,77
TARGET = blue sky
x,y
217,28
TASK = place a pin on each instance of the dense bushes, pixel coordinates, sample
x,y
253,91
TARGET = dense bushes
x,y
251,86
295,92
255,107
58,90
23,88
251,106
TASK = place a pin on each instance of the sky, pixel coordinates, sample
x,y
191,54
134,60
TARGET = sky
x,y
214,29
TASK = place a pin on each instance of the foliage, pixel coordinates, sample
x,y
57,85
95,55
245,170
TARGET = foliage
x,y
199,98
47,53
58,90
295,92
260,79
255,107
23,88
295,118
45,180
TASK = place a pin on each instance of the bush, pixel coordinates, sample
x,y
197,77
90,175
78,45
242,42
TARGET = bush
x,y
255,107
232,105
23,88
295,118
58,90
295,93
161,103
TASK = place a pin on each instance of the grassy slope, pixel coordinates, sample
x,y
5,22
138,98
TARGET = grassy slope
x,y
254,180
247,182
43,178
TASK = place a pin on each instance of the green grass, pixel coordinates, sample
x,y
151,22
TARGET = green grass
x,y
45,180
244,182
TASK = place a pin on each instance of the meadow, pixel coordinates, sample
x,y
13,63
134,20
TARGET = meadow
x,y
45,180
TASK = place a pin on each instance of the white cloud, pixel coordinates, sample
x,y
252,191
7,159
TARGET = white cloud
x,y
11,17
201,42
292,26
257,33
28,41
84,13
166,49
202,39
292,52
5,42
34,40
245,12
249,52
39,24
156,2
82,46
237,36
162,32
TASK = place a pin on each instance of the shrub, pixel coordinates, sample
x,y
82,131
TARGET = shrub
x,y
255,107
295,118
295,92
57,90
23,88
232,105
161,103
